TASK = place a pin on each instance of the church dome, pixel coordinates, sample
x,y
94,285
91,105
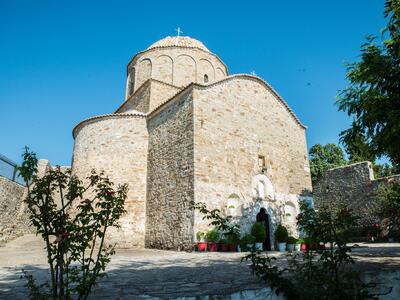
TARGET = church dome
x,y
179,41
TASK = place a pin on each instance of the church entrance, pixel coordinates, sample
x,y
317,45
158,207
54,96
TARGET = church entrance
x,y
264,218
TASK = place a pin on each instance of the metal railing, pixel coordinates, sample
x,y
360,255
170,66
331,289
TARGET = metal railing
x,y
9,169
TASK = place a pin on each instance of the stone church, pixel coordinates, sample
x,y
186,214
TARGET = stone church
x,y
189,132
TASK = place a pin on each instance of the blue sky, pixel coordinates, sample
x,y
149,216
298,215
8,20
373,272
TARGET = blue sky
x,y
63,61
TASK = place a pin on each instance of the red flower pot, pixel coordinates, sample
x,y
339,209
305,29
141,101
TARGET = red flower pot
x,y
304,247
212,247
201,246
232,247
223,247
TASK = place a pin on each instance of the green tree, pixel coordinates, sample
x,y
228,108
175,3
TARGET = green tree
x,y
356,145
325,157
373,95
384,170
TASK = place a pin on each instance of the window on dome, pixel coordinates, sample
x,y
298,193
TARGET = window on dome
x,y
261,161
205,78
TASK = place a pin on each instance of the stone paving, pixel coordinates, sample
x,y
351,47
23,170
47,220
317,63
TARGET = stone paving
x,y
155,274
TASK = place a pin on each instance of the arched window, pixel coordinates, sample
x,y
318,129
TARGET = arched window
x,y
290,212
205,78
130,88
131,82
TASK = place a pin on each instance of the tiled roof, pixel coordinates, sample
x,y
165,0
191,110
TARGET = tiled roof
x,y
179,41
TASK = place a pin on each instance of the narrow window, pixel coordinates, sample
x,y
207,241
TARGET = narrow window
x,y
261,161
130,89
205,78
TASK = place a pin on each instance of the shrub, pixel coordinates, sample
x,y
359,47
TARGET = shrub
x,y
388,209
258,231
212,236
78,256
200,236
232,238
247,239
281,234
291,240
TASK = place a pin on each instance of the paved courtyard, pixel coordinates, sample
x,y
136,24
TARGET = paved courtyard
x,y
154,274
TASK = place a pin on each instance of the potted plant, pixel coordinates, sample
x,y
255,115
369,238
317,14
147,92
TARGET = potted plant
x,y
281,236
201,243
305,244
212,237
247,242
258,231
297,246
232,240
291,242
222,245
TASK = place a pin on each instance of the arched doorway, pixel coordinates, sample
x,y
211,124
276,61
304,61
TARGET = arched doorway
x,y
264,218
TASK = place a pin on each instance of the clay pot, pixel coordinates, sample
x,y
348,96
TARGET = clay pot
x,y
304,247
232,247
223,247
201,246
212,247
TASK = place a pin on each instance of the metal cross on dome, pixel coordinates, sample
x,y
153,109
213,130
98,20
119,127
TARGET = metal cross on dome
x,y
178,31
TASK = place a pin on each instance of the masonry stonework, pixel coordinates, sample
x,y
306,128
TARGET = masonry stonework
x,y
117,145
170,191
231,133
14,220
354,186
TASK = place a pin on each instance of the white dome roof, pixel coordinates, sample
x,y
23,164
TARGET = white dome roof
x,y
179,41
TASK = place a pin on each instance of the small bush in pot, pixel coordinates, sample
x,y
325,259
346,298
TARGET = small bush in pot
x,y
281,236
222,245
291,242
258,231
201,243
232,240
297,246
305,244
224,224
247,242
212,237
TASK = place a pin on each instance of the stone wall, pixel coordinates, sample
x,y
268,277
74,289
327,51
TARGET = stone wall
x,y
161,92
169,215
235,122
353,185
148,97
139,101
117,144
14,220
